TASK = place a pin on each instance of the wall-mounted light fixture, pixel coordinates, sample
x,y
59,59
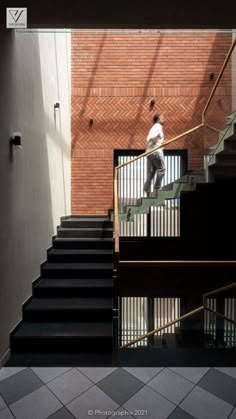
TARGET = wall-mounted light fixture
x,y
152,103
212,75
57,105
90,121
15,140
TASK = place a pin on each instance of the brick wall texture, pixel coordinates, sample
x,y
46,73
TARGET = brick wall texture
x,y
114,78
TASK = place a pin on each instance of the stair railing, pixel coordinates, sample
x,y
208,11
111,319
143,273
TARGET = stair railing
x,y
203,124
187,315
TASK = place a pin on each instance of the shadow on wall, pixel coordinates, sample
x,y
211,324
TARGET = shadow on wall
x,y
134,125
90,85
29,188
219,106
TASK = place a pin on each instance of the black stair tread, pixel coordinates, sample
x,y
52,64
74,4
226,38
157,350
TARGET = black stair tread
x,y
74,283
64,329
70,303
80,251
85,229
83,239
86,216
75,265
94,218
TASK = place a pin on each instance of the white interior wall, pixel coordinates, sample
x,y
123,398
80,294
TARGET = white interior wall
x,y
36,180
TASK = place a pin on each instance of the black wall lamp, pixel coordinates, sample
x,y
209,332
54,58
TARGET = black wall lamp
x,y
152,103
15,140
57,106
90,121
212,75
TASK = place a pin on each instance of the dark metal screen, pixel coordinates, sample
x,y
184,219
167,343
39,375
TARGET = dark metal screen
x,y
138,315
164,220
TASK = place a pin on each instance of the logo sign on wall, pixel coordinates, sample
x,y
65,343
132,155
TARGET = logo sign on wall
x,y
16,17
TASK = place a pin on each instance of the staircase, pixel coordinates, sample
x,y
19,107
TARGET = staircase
x,y
222,159
170,191
71,309
221,163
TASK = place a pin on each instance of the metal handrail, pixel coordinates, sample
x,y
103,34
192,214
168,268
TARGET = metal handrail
x,y
180,262
216,291
191,313
116,216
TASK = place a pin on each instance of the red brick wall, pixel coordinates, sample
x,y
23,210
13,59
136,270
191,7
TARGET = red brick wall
x,y
114,77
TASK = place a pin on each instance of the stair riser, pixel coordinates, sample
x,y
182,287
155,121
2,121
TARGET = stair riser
x,y
67,315
82,273
230,145
80,259
58,345
72,292
86,224
85,234
84,245
226,160
222,172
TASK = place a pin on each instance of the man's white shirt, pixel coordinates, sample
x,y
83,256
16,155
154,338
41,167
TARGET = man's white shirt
x,y
155,131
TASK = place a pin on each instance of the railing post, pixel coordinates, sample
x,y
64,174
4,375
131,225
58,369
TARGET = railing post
x,y
115,310
149,223
220,320
151,322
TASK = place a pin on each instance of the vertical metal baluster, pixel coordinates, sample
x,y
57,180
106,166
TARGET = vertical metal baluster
x,y
126,320
142,325
168,314
123,321
125,191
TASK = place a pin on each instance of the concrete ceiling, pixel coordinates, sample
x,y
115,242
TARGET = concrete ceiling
x,y
127,13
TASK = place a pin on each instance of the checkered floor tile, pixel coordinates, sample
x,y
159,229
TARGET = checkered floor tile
x,y
155,393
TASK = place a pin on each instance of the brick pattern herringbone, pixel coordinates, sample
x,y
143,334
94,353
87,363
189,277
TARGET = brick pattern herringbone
x,y
124,122
114,78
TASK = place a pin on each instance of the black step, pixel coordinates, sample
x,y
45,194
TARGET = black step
x,y
85,232
86,222
82,243
73,287
225,160
68,309
77,270
80,255
62,359
62,337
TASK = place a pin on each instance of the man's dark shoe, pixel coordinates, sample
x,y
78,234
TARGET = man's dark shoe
x,y
154,193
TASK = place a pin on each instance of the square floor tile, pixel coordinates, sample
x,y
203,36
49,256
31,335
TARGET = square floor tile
x,y
69,385
192,374
19,385
96,374
233,414
171,385
144,374
180,414
6,372
38,405
203,405
149,404
61,414
120,385
91,404
228,371
2,403
48,374
6,414
219,384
